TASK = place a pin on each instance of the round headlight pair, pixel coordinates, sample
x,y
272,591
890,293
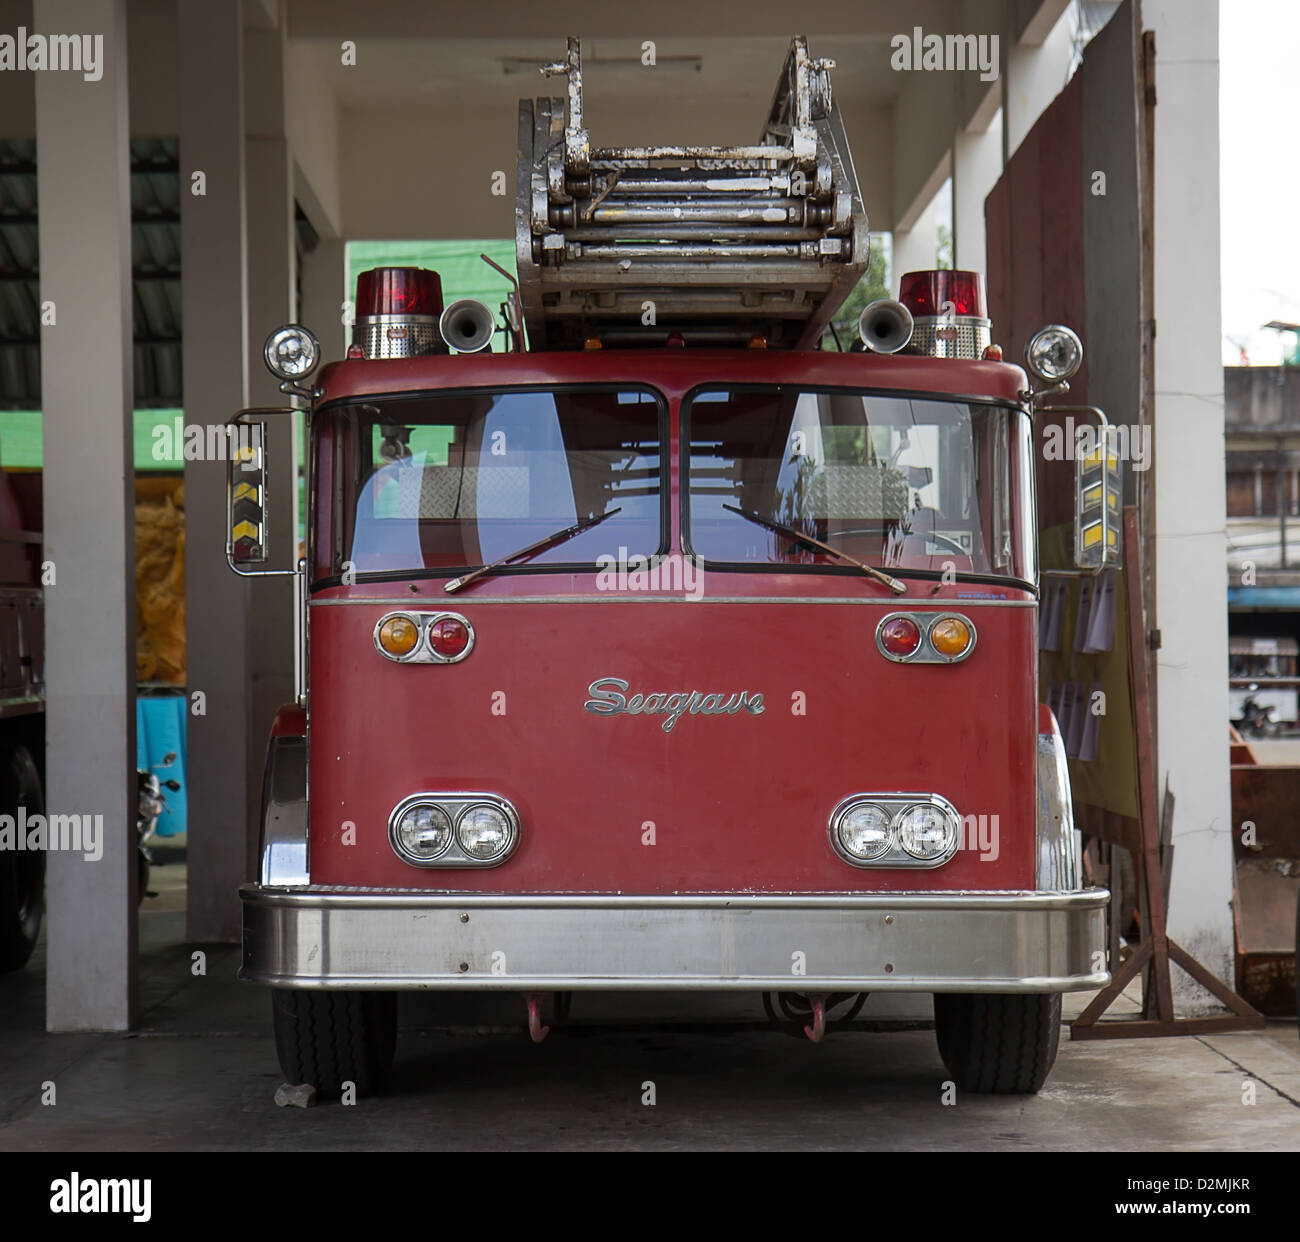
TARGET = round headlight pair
x,y
925,831
424,832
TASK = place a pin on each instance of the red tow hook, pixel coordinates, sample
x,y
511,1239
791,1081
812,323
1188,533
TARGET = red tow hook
x,y
536,1031
817,1031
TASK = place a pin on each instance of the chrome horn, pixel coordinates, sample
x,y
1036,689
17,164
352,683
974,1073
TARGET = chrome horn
x,y
885,326
467,326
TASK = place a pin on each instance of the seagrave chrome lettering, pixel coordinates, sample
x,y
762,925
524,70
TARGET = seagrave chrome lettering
x,y
609,697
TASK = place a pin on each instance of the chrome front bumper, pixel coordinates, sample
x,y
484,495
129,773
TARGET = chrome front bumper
x,y
897,942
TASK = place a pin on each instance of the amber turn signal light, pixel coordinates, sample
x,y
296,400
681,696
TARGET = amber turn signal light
x,y
398,636
950,636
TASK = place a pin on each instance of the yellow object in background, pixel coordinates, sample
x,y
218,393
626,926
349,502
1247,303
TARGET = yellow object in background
x,y
160,579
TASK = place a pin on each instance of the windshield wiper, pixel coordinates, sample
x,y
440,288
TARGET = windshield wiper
x,y
549,541
892,583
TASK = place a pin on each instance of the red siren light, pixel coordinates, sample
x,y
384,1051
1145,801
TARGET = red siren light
x,y
924,293
397,313
949,312
399,291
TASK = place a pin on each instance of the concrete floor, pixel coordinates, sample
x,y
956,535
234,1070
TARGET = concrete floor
x,y
200,1074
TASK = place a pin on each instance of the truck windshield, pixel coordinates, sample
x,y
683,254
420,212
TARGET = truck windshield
x,y
462,479
933,485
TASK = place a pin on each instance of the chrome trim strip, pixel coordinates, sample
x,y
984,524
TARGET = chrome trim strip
x,y
610,597
284,812
417,898
901,942
1060,847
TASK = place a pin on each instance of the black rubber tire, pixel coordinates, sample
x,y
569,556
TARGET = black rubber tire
x,y
329,1038
1001,1045
22,872
141,876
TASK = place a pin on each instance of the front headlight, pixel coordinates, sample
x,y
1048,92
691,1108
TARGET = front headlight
x,y
483,832
899,829
864,831
927,832
1054,353
424,831
454,829
291,352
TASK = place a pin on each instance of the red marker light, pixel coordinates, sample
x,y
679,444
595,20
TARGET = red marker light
x,y
900,636
448,637
398,291
926,293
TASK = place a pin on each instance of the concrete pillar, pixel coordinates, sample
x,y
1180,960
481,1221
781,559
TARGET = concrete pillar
x,y
976,166
324,290
1032,76
268,172
84,191
1191,591
915,249
213,310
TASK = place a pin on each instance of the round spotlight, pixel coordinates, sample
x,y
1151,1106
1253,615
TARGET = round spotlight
x,y
291,352
1054,353
864,831
423,832
927,832
484,832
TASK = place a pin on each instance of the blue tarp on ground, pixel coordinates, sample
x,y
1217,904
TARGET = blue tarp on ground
x,y
160,730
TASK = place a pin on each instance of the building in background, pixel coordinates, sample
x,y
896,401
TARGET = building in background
x,y
1262,441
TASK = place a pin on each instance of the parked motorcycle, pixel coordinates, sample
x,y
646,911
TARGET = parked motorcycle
x,y
151,802
1256,718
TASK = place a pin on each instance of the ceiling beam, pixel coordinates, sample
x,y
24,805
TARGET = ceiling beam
x,y
342,19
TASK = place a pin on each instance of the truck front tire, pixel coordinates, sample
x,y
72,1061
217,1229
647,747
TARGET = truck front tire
x,y
993,1044
328,1039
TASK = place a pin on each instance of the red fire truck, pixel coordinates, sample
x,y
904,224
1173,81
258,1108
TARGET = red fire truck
x,y
661,647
